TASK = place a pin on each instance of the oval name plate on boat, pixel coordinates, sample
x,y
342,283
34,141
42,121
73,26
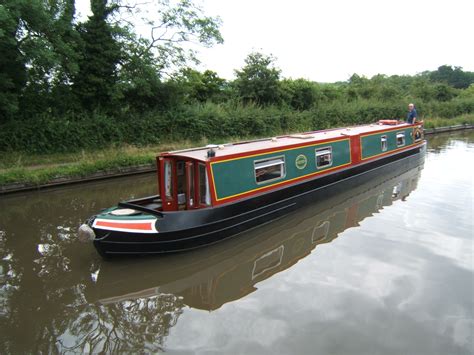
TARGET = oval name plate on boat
x,y
301,161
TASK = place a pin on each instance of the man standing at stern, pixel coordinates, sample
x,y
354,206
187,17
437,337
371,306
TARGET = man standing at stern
x,y
411,115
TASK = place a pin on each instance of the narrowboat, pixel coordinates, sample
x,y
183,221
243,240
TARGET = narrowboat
x,y
209,194
211,277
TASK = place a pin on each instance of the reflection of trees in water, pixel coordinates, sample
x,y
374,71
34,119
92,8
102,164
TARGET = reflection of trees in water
x,y
44,308
438,142
44,272
138,325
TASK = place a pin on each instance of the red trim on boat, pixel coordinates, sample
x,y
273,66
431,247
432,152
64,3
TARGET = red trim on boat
x,y
355,150
134,225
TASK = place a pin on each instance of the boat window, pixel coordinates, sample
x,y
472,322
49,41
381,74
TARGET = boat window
x,y
204,195
323,157
383,142
168,179
269,169
400,139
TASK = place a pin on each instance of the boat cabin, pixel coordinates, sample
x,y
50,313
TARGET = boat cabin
x,y
183,183
214,175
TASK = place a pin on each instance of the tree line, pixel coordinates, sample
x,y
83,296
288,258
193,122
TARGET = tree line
x,y
67,84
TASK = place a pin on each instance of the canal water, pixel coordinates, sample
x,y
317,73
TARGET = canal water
x,y
384,267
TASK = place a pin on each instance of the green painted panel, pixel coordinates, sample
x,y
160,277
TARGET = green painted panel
x,y
371,145
237,176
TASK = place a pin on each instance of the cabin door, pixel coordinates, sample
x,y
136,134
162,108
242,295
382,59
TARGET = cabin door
x,y
184,184
169,195
185,178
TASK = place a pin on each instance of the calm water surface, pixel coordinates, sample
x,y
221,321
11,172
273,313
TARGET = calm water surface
x,y
385,267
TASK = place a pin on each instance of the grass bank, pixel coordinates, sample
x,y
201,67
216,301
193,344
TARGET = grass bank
x,y
39,169
446,122
23,168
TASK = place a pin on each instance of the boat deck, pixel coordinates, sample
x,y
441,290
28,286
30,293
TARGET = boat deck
x,y
281,141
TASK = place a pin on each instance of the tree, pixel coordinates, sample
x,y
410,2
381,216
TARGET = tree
x,y
49,63
201,87
361,86
173,28
139,82
331,92
454,77
12,62
258,80
422,89
443,92
101,53
121,64
300,94
37,46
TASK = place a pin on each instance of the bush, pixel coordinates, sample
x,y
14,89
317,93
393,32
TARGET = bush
x,y
47,133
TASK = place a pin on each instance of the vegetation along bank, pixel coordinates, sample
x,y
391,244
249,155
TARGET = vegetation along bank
x,y
81,96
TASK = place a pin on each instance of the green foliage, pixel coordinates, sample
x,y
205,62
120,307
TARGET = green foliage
x,y
50,134
95,81
67,86
201,87
378,87
258,81
171,24
450,109
446,122
454,77
50,63
468,93
327,106
443,92
34,42
301,94
12,64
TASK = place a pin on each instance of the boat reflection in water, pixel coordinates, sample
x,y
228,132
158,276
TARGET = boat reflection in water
x,y
210,277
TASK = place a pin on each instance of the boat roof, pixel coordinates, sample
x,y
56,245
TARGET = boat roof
x,y
280,142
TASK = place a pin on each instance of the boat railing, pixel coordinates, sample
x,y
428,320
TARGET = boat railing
x,y
149,204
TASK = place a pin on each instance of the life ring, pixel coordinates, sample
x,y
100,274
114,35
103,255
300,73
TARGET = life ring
x,y
388,122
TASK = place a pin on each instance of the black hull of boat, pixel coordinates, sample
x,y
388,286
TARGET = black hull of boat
x,y
188,230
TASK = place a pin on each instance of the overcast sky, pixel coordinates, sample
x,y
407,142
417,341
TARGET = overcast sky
x,y
328,41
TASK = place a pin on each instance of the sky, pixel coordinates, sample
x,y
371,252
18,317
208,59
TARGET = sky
x,y
329,40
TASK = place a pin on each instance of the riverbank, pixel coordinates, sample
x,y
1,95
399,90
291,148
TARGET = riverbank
x,y
19,172
459,127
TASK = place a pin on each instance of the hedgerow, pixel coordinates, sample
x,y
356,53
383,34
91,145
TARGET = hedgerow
x,y
47,133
